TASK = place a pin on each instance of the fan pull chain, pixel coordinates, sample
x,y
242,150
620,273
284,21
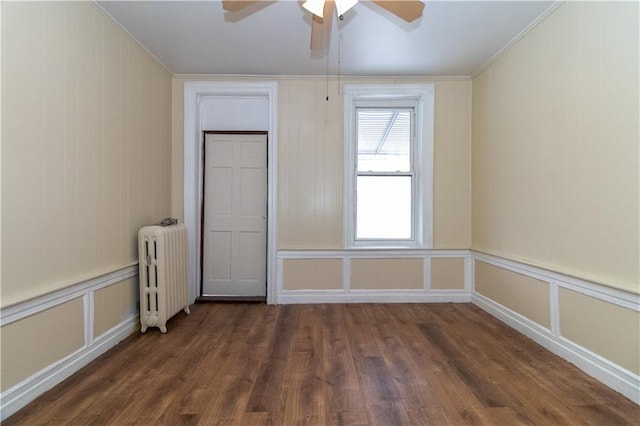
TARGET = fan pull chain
x,y
327,74
339,55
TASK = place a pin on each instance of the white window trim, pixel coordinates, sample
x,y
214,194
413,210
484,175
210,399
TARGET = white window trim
x,y
421,96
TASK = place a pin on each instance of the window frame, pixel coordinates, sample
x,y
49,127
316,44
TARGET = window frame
x,y
419,97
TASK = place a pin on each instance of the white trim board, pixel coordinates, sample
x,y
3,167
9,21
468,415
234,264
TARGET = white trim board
x,y
41,303
419,98
16,397
118,25
348,295
20,395
607,372
373,296
194,94
593,364
375,79
612,375
517,38
372,254
597,291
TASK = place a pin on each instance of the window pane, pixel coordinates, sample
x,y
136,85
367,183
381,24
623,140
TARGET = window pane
x,y
383,207
384,140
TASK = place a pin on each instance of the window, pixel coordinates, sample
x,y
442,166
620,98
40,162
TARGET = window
x,y
388,166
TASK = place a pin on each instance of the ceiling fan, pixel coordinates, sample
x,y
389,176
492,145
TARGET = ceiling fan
x,y
322,10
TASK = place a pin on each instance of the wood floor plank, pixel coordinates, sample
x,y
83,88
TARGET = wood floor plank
x,y
344,397
485,391
361,331
352,364
272,374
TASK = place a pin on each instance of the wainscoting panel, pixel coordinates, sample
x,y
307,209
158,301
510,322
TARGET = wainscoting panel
x,y
71,322
613,316
372,276
595,327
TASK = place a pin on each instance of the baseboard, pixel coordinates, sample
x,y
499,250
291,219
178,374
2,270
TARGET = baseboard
x,y
230,299
26,391
31,387
373,296
610,374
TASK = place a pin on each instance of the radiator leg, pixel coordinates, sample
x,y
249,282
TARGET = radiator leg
x,y
143,329
186,310
163,328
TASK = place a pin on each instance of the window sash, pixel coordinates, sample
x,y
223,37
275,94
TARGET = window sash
x,y
389,210
380,137
400,236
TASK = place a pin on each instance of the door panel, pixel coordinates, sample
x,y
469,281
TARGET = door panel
x,y
235,215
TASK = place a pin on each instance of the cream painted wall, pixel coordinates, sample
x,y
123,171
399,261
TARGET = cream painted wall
x,y
312,274
86,157
114,304
52,335
311,160
447,274
557,115
522,294
394,273
555,146
452,166
86,146
609,330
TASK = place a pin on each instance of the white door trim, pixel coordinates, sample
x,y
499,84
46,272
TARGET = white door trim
x,y
194,93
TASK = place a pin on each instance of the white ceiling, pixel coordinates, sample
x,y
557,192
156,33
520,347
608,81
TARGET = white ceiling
x,y
453,38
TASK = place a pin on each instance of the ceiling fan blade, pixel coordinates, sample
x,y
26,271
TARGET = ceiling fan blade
x,y
321,28
409,10
236,5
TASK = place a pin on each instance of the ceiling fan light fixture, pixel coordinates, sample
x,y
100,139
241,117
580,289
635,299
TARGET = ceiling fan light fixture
x,y
317,6
314,6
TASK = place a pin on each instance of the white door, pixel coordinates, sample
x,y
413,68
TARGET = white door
x,y
234,260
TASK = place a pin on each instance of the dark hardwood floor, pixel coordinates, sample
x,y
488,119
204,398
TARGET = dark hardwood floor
x,y
395,364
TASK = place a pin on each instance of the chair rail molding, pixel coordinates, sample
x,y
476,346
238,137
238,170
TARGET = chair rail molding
x,y
19,395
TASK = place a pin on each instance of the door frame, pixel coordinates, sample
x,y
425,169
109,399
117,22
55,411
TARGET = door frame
x,y
201,296
195,92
